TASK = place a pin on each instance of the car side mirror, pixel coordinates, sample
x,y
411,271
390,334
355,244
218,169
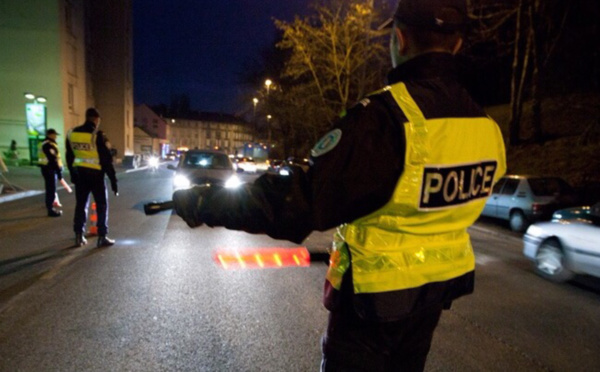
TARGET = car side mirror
x,y
171,167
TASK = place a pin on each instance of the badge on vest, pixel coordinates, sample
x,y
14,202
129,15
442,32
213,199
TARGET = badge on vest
x,y
448,186
327,143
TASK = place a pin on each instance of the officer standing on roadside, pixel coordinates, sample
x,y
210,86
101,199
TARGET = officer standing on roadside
x,y
51,165
402,176
89,159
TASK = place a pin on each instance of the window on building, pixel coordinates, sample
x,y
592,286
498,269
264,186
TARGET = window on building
x,y
71,97
208,135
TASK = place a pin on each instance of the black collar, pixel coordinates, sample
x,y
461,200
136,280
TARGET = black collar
x,y
425,66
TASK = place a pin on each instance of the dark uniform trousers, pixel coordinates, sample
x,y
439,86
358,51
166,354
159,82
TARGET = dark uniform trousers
x,y
354,344
90,181
50,183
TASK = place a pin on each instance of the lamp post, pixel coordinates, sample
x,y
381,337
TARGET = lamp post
x,y
268,83
254,102
269,117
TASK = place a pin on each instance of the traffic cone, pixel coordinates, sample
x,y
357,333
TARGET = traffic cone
x,y
93,221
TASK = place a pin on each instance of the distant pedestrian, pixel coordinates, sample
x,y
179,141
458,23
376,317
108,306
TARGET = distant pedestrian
x,y
89,159
13,153
51,164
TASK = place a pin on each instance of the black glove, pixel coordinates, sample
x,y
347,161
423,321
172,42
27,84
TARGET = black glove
x,y
114,187
188,204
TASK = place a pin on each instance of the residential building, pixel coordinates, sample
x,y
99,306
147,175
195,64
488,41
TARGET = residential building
x,y
209,130
150,135
76,54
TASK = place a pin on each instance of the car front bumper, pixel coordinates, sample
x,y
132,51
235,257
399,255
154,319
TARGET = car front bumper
x,y
531,244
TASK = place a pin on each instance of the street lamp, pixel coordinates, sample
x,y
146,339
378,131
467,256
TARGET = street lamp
x,y
269,127
268,83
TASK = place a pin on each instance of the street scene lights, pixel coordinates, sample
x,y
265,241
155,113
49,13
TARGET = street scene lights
x,y
268,83
33,97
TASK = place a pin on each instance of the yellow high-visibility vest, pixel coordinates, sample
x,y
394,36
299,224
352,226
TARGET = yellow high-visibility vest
x,y
84,149
420,236
43,159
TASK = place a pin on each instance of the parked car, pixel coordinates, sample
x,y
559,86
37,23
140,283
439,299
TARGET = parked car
x,y
585,212
562,248
204,166
523,200
301,162
245,165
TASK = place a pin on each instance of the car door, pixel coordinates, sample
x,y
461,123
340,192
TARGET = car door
x,y
492,202
584,242
506,199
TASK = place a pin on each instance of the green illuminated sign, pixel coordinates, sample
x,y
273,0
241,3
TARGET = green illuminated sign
x,y
36,119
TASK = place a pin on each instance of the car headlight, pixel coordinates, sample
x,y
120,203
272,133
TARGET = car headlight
x,y
181,182
153,161
534,230
233,182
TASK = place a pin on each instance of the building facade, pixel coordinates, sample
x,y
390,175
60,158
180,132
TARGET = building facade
x,y
74,53
151,132
223,132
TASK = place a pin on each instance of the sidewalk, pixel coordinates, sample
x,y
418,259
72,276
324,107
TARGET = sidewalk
x,y
28,181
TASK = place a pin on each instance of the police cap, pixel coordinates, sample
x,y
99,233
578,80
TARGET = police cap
x,y
446,16
51,131
91,113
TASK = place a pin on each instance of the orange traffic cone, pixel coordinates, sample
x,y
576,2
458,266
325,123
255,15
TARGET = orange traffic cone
x,y
93,221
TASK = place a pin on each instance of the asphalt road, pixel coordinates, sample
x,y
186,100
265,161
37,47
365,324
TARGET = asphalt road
x,y
159,300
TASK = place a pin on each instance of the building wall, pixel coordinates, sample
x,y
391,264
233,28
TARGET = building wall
x,y
228,137
77,54
111,69
30,61
148,120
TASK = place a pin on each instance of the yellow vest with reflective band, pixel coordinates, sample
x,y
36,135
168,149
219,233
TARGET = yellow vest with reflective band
x,y
84,149
42,159
420,236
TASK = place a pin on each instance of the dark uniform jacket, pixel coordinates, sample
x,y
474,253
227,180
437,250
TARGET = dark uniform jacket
x,y
358,176
103,148
51,154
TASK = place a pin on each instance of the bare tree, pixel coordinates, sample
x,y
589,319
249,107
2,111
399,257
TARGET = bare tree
x,y
336,57
529,31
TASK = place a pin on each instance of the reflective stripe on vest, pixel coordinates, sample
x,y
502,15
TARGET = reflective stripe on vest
x,y
42,159
420,236
84,149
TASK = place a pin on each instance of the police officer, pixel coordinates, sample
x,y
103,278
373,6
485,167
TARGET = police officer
x,y
402,176
51,165
89,159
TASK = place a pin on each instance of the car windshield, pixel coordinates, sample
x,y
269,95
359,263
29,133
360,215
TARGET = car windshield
x,y
549,186
206,160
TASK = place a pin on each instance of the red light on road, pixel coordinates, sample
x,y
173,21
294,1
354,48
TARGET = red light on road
x,y
262,258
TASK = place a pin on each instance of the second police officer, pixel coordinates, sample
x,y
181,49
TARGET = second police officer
x,y
402,176
51,166
89,159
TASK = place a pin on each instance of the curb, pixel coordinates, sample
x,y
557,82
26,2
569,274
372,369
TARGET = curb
x,y
20,195
29,193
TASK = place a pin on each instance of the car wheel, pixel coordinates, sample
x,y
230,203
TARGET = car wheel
x,y
550,262
517,221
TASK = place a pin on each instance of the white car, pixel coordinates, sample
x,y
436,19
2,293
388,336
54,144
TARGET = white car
x,y
563,248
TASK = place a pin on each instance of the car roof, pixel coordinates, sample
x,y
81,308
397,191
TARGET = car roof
x,y
207,151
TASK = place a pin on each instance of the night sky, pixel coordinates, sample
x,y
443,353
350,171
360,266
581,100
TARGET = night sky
x,y
198,47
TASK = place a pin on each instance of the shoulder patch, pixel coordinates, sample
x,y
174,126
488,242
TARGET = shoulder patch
x,y
327,143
